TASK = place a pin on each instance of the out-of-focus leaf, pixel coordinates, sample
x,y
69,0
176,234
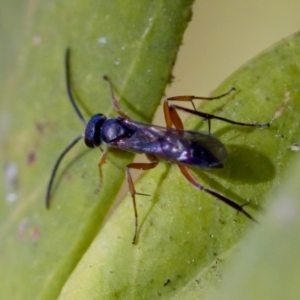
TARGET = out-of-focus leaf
x,y
267,265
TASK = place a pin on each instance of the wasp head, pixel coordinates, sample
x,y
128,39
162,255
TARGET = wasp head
x,y
92,135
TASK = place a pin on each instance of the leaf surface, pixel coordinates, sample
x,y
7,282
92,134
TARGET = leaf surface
x,y
134,43
185,235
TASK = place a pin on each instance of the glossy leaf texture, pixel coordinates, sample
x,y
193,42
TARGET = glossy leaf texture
x,y
134,43
186,235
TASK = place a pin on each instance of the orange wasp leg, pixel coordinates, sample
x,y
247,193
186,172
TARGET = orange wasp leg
x,y
188,175
172,117
137,166
101,163
114,100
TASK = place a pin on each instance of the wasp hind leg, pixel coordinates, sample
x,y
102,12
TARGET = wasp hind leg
x,y
239,208
172,117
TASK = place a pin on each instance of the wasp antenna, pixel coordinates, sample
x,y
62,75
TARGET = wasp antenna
x,y
69,88
57,163
232,89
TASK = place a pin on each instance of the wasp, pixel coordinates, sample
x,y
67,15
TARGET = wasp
x,y
172,143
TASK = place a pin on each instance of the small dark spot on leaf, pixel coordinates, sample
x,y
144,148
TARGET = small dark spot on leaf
x,y
31,157
40,127
35,234
167,282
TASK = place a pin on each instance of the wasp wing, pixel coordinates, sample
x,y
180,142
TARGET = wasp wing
x,y
173,145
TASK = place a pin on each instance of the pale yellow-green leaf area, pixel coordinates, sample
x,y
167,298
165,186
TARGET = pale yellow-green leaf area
x,y
186,235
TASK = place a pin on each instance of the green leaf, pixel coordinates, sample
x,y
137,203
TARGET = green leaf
x,y
185,235
135,44
267,264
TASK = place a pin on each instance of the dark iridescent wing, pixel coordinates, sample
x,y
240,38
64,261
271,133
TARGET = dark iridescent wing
x,y
206,150
186,147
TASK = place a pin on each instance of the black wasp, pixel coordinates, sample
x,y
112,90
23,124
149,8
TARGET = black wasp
x,y
175,145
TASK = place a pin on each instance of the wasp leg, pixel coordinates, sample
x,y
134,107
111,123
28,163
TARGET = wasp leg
x,y
172,117
137,166
101,163
210,117
188,175
114,100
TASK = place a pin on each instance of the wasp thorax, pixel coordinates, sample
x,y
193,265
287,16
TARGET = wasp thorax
x,y
114,130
